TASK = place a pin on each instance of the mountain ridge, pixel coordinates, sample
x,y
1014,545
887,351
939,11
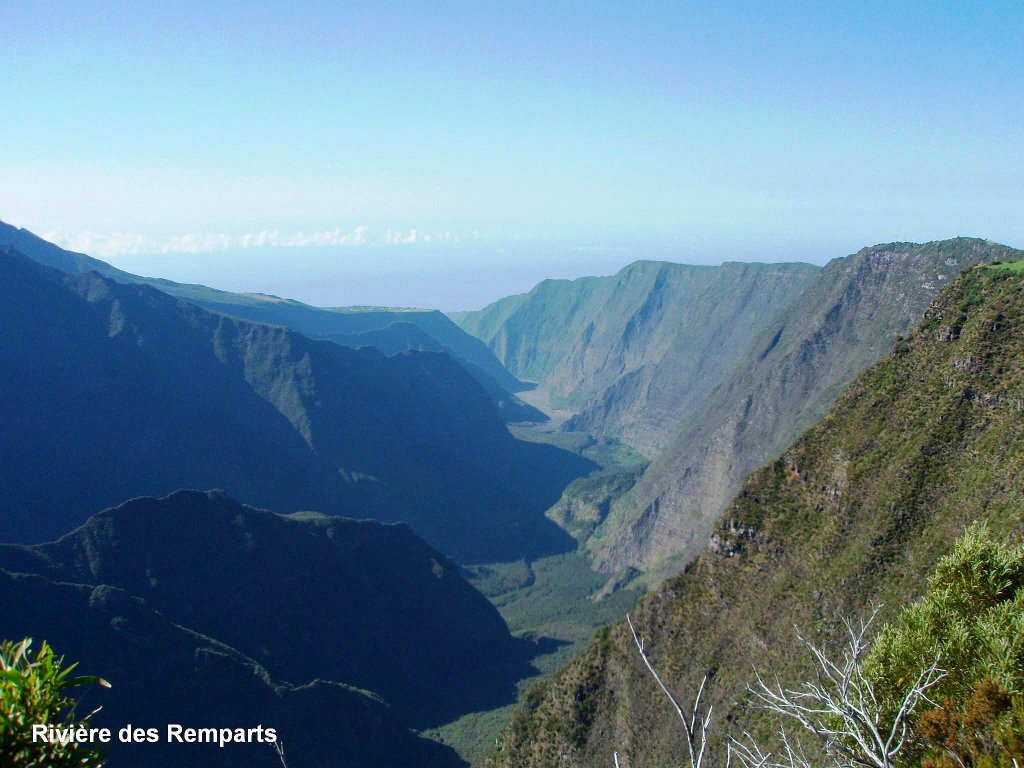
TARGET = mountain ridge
x,y
855,513
263,583
847,317
177,396
203,611
630,352
339,324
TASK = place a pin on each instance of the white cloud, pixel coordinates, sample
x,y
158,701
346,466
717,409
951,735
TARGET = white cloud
x,y
194,243
112,244
397,237
104,245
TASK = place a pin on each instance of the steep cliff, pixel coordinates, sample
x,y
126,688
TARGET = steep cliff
x,y
856,512
847,317
635,352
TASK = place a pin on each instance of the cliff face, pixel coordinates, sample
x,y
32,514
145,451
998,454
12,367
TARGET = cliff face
x,y
634,352
847,317
856,512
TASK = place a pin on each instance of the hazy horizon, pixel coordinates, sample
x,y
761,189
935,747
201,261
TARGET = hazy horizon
x,y
449,145
450,276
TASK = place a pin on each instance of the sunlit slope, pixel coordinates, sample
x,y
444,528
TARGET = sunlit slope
x,y
856,512
848,316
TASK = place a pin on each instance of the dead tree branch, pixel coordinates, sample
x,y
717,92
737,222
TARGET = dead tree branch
x,y
840,707
696,723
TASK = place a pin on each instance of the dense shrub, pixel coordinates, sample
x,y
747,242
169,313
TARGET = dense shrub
x,y
33,689
972,618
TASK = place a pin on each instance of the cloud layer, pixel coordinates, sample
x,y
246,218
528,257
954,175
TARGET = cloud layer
x,y
112,244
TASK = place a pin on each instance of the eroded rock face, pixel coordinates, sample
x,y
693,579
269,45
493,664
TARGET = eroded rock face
x,y
854,514
848,316
728,540
633,353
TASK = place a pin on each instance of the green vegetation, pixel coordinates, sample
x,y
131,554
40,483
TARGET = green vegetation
x,y
613,455
629,353
556,603
847,317
635,351
1016,267
942,686
557,600
859,511
577,442
34,690
609,454
972,619
585,502
549,601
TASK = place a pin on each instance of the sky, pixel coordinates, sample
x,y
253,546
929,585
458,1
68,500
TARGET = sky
x,y
448,153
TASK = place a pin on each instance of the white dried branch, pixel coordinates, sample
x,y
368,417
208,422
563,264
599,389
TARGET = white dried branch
x,y
840,707
695,725
750,754
279,749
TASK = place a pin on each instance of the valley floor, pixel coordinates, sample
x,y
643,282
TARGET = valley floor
x,y
547,601
550,601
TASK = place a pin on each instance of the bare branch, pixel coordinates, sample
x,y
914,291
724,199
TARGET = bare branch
x,y
279,749
840,707
696,741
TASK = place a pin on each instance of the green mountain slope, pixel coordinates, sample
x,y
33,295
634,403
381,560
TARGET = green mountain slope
x,y
532,332
634,352
113,391
138,593
165,673
856,512
308,596
848,316
342,325
403,336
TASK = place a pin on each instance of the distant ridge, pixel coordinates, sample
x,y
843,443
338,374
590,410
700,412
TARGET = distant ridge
x,y
691,369
632,353
855,513
128,391
846,318
343,325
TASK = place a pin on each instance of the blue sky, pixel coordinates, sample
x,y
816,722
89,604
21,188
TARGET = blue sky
x,y
372,153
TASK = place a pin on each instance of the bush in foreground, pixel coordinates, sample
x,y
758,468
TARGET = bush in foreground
x,y
33,690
